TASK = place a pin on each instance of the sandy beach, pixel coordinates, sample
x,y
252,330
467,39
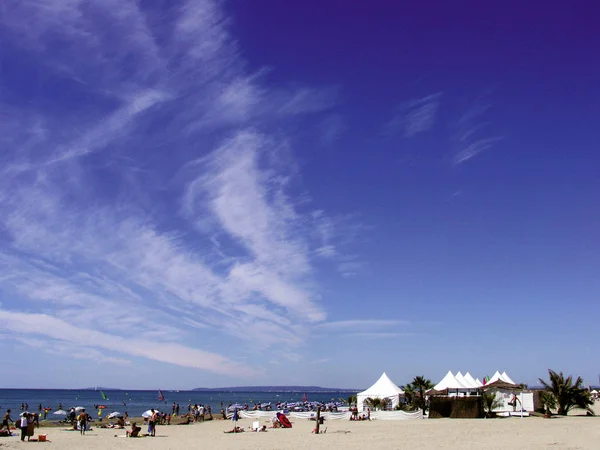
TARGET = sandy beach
x,y
526,433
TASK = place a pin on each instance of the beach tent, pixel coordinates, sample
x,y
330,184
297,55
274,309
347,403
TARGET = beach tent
x,y
473,383
501,377
506,378
496,377
384,388
461,379
449,382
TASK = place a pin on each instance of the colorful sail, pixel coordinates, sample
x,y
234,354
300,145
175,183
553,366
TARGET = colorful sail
x,y
161,397
104,397
305,398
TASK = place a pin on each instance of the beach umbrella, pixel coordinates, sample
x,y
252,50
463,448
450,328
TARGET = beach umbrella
x,y
114,415
148,413
102,407
60,412
79,408
47,408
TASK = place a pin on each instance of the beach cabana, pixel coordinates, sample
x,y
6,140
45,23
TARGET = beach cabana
x,y
512,397
384,388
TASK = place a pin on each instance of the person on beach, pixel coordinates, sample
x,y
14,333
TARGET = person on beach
x,y
32,422
135,430
177,409
23,425
6,421
82,420
152,423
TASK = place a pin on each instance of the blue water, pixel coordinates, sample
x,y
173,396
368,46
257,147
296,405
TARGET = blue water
x,y
136,402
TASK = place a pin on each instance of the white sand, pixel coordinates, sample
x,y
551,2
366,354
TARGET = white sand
x,y
526,433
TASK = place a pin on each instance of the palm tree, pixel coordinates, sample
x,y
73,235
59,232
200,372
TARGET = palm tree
x,y
409,393
373,402
567,394
351,399
490,402
548,402
422,385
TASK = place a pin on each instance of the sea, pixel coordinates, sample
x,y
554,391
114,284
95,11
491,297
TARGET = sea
x,y
136,402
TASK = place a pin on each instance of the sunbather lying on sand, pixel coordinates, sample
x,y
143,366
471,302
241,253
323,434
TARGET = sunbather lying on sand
x,y
235,430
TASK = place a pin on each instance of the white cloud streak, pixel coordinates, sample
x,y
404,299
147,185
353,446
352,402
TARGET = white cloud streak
x,y
472,135
414,117
52,327
212,238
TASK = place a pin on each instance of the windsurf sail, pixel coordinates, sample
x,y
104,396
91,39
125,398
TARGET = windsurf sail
x,y
304,398
161,397
104,397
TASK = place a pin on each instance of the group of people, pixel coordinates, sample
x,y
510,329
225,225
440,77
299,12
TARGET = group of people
x,y
355,416
27,423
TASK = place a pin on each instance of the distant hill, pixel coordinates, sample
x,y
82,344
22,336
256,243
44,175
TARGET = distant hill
x,y
100,389
275,389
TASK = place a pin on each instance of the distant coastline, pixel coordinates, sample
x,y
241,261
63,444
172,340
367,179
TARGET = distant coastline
x,y
296,389
274,389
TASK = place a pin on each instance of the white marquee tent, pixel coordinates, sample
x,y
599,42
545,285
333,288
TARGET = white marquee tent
x,y
502,377
449,382
384,388
472,382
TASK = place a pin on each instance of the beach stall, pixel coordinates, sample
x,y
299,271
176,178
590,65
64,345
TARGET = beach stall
x,y
385,389
513,399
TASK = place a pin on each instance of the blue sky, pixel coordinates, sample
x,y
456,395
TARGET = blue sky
x,y
199,193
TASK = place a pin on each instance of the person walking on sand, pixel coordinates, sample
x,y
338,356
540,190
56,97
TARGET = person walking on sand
x,y
6,421
82,421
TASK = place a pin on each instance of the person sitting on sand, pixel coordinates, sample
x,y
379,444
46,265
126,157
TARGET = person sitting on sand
x,y
135,430
275,423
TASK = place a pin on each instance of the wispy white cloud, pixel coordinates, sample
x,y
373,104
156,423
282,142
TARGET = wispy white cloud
x,y
124,224
475,148
63,348
54,328
473,135
361,324
414,117
381,335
